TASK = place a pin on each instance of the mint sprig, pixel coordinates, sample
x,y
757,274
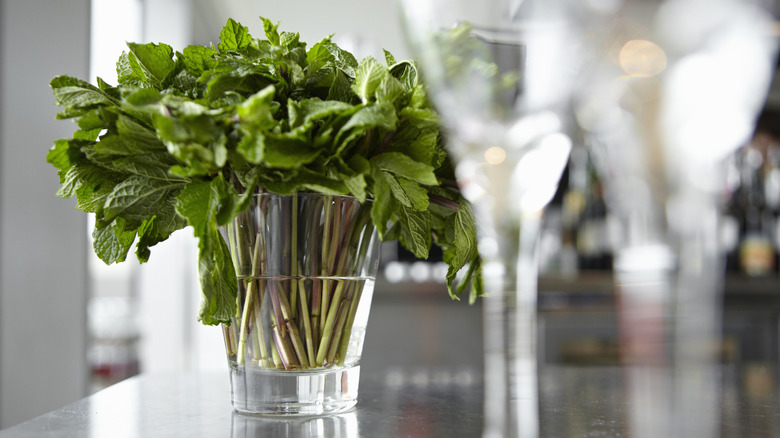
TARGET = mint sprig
x,y
186,137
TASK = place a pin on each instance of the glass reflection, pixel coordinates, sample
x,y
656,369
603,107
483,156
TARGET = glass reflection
x,y
343,425
500,73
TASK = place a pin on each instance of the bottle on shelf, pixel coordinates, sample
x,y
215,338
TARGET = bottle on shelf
x,y
756,248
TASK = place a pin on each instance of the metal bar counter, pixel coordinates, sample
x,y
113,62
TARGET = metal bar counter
x,y
575,401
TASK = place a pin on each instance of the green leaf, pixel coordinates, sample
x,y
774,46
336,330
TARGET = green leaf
x,y
402,165
258,109
305,111
234,37
198,59
461,232
419,145
406,73
384,205
341,89
150,165
155,60
391,92
140,198
218,283
290,40
129,72
111,241
200,202
196,203
64,154
310,180
421,118
369,76
91,184
98,118
366,118
318,55
271,31
288,152
252,147
83,173
341,59
197,141
407,192
416,231
357,183
76,94
389,58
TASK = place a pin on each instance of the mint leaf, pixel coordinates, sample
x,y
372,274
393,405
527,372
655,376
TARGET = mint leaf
x,y
271,31
290,41
234,37
155,61
252,147
406,73
461,232
384,205
198,59
402,165
407,192
341,88
150,165
368,117
309,110
64,154
140,198
218,283
258,109
196,141
197,204
111,241
287,152
313,181
318,56
391,92
77,95
419,145
356,183
416,231
368,77
389,58
200,203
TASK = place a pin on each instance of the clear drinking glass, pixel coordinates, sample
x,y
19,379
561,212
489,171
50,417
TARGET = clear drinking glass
x,y
500,73
670,89
306,266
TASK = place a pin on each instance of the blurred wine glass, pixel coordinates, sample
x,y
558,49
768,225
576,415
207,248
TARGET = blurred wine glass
x,y
501,75
671,89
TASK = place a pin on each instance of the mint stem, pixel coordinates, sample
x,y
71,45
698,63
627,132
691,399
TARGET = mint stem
x,y
294,256
385,142
327,332
444,202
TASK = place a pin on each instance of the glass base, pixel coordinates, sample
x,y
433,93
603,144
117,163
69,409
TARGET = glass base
x,y
271,392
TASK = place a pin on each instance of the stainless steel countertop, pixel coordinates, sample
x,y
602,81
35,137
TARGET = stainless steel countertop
x,y
575,401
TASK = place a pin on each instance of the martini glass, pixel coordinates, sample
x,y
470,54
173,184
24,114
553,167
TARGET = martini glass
x,y
671,89
501,73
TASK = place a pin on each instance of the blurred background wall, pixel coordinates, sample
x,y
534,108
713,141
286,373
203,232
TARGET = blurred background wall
x,y
43,275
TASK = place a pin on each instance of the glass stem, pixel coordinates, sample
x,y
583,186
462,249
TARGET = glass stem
x,y
511,381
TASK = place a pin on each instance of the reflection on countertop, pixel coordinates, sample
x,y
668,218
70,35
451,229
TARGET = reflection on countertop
x,y
574,401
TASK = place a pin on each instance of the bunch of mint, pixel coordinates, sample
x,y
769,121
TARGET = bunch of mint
x,y
187,138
